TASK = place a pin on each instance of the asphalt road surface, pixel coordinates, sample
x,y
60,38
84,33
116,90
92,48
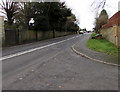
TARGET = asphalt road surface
x,y
52,65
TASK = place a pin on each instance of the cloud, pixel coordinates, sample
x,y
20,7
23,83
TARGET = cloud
x,y
86,14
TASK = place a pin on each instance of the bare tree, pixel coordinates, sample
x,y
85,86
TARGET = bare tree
x,y
101,20
9,9
98,4
101,3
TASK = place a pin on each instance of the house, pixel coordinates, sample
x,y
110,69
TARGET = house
x,y
111,30
114,20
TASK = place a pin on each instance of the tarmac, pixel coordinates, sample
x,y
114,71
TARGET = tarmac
x,y
80,48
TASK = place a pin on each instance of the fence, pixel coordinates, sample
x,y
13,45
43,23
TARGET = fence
x,y
11,36
14,37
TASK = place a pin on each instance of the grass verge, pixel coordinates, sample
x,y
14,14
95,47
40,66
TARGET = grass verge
x,y
102,45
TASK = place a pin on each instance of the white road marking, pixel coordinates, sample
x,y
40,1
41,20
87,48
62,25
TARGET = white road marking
x,y
31,50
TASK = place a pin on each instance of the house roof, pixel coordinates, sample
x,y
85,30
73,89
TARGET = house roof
x,y
114,20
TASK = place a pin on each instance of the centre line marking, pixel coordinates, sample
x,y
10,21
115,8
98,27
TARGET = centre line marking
x,y
31,50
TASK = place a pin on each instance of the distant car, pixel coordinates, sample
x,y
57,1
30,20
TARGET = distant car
x,y
88,31
81,32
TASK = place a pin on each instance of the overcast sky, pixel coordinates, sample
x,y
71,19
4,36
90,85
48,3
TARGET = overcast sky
x,y
86,14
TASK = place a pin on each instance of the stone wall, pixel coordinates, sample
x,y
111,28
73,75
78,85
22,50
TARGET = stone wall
x,y
1,30
109,34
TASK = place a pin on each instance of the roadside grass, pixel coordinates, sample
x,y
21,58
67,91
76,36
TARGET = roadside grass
x,y
93,34
102,45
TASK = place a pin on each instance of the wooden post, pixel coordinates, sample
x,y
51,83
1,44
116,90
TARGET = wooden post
x,y
116,36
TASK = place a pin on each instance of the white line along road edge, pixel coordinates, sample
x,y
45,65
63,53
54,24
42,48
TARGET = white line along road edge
x,y
34,49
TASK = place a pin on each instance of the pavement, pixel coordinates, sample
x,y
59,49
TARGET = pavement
x,y
80,47
55,67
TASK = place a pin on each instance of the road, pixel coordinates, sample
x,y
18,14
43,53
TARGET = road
x,y
52,65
